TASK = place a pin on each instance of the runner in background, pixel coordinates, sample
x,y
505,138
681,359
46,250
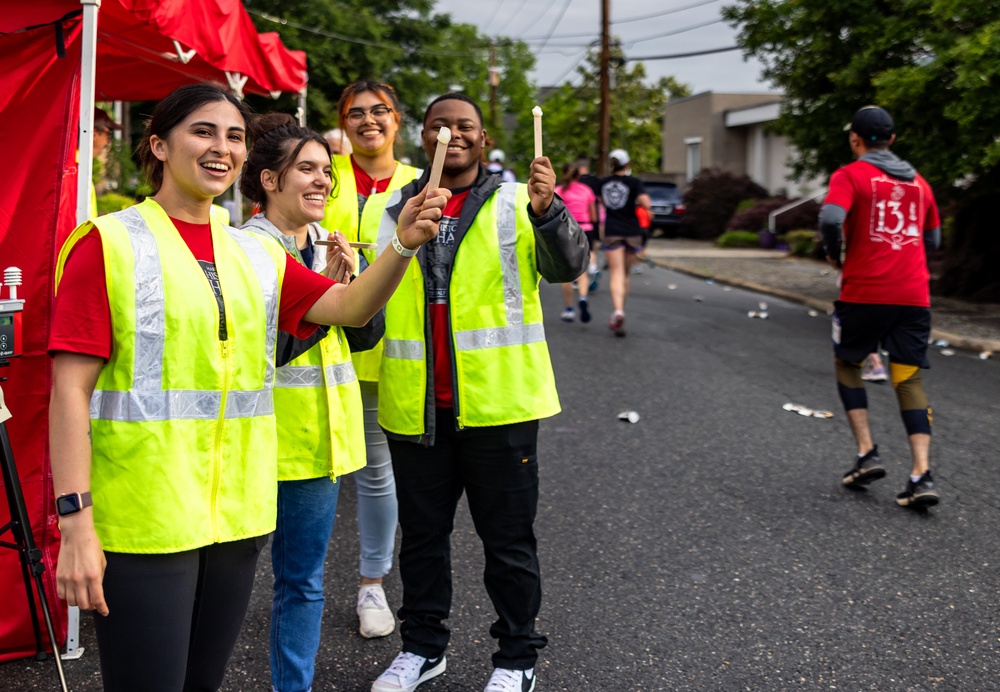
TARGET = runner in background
x,y
621,194
582,205
594,183
885,213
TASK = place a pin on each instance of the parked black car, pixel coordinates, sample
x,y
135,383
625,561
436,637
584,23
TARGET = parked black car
x,y
668,207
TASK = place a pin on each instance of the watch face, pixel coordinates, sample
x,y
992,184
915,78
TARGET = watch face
x,y
68,504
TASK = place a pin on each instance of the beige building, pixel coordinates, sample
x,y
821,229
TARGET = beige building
x,y
729,132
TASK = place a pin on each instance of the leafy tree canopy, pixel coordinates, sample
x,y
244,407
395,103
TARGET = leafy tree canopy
x,y
572,112
934,64
422,54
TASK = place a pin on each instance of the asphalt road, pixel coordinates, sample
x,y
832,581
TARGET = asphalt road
x,y
710,546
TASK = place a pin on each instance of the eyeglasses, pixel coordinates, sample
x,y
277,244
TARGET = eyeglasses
x,y
379,112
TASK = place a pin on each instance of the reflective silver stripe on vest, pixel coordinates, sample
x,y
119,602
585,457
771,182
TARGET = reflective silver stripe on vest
x,y
492,337
147,400
516,332
135,406
404,349
267,274
249,403
387,225
307,376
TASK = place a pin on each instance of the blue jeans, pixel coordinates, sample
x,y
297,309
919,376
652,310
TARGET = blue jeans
x,y
377,510
306,512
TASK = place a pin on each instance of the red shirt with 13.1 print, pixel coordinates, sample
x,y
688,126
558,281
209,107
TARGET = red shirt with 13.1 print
x,y
885,262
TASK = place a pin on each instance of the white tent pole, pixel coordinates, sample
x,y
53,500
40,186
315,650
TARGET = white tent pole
x,y
85,166
88,63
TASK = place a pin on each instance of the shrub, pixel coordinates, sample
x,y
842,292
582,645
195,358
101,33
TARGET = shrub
x,y
801,243
112,202
738,239
712,198
756,217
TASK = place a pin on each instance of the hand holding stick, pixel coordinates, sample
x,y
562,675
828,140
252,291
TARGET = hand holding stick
x,y
537,113
443,138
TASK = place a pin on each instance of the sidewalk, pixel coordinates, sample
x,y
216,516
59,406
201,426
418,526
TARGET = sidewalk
x,y
970,326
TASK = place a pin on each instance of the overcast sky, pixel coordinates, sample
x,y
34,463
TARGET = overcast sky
x,y
533,20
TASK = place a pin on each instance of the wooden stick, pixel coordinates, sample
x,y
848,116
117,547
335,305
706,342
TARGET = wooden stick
x,y
360,246
444,137
537,113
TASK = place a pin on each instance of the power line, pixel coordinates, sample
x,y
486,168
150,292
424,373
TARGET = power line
x,y
513,15
702,3
486,26
702,25
555,24
349,39
673,56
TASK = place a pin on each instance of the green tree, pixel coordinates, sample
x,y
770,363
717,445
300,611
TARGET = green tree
x,y
934,64
572,112
402,42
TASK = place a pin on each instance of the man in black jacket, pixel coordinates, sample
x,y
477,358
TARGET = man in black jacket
x,y
488,381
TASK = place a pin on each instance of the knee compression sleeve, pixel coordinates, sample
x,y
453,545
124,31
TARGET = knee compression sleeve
x,y
913,404
850,386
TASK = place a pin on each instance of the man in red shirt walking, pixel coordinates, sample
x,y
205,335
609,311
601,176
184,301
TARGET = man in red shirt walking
x,y
886,215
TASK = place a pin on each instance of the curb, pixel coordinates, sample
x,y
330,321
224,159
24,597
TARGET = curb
x,y
958,341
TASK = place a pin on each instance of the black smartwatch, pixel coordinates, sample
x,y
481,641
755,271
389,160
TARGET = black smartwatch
x,y
71,503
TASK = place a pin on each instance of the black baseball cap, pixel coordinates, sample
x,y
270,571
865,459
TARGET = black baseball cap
x,y
872,124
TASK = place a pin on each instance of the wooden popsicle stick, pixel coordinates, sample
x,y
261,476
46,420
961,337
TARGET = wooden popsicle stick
x,y
443,138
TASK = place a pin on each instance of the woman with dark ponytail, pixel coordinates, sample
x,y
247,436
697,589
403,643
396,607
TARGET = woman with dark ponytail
x,y
162,431
317,401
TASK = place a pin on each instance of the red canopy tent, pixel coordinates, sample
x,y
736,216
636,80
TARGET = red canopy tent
x,y
49,49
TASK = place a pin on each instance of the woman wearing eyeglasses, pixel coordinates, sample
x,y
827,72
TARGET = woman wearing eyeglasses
x,y
370,117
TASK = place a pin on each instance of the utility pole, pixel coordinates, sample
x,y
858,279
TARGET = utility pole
x,y
604,128
494,83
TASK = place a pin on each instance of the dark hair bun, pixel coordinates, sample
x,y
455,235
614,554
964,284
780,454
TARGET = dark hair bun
x,y
269,122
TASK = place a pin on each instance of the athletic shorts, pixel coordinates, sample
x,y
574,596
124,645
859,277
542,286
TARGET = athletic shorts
x,y
593,238
631,243
902,330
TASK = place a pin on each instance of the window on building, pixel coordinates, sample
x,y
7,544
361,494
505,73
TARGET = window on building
x,y
693,145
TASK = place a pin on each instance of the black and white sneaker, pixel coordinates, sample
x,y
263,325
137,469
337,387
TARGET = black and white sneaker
x,y
866,469
408,672
919,494
504,680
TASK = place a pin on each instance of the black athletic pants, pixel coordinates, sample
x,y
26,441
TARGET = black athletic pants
x,y
498,470
174,618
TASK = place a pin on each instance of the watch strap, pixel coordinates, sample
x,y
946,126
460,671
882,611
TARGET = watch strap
x,y
83,500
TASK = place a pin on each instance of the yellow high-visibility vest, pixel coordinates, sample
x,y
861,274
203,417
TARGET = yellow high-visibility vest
x,y
184,437
342,215
503,373
317,402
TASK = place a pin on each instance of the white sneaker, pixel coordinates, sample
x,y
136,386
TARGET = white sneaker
x,y
407,672
373,612
504,680
568,315
873,370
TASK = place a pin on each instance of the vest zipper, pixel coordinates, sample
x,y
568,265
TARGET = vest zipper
x,y
219,439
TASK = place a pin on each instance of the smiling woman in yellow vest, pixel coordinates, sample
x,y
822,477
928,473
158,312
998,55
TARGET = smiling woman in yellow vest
x,y
317,401
370,116
162,432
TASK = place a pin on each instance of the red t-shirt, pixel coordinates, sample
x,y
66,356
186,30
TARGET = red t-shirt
x,y
441,255
81,321
367,185
884,235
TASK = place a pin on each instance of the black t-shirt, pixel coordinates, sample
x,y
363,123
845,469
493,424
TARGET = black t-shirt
x,y
618,194
593,182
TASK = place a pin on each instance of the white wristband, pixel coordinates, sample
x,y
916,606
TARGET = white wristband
x,y
400,248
